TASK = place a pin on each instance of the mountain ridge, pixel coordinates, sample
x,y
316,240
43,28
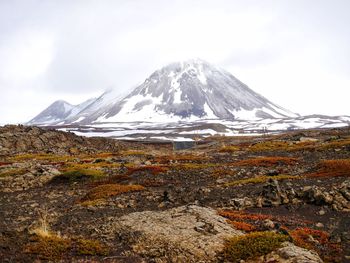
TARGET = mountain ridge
x,y
187,90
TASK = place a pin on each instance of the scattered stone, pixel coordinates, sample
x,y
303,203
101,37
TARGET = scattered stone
x,y
289,253
319,196
307,139
322,212
191,232
271,193
292,253
242,203
268,224
345,190
272,173
320,225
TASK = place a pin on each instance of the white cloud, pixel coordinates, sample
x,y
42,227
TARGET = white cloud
x,y
26,56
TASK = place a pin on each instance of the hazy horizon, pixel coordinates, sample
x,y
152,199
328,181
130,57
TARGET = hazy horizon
x,y
294,53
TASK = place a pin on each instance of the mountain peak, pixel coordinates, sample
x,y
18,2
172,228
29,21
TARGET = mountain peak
x,y
183,65
58,110
187,90
61,102
192,90
195,62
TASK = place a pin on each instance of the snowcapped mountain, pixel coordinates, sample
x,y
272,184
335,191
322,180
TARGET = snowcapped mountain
x,y
107,98
189,90
183,91
183,98
59,111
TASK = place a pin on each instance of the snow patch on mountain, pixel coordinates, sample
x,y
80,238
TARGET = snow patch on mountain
x,y
57,111
190,90
181,95
209,112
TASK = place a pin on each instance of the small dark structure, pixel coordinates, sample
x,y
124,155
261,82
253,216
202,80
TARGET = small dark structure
x,y
183,145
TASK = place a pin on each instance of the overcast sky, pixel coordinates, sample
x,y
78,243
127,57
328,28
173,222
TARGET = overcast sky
x,y
295,53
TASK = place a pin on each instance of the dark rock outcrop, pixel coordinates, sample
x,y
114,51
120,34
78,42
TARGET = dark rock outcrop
x,y
28,139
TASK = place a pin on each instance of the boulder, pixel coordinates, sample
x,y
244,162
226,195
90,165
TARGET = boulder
x,y
292,253
271,193
289,253
183,234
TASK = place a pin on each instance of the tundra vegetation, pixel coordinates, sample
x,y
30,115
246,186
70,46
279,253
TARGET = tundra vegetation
x,y
69,203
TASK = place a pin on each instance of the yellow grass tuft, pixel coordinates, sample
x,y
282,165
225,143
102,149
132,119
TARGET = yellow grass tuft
x,y
260,179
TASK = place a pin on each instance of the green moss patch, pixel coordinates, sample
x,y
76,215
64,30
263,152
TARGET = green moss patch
x,y
252,245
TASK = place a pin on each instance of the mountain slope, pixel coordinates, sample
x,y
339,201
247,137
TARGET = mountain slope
x,y
190,90
59,111
183,91
107,98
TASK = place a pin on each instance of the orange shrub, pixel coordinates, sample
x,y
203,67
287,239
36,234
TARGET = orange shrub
x,y
108,190
328,168
240,215
50,248
256,219
319,241
301,237
242,226
4,163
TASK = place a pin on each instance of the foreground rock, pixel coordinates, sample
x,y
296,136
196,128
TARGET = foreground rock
x,y
190,234
183,234
289,253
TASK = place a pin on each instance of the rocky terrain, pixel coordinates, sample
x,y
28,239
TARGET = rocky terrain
x,y
281,198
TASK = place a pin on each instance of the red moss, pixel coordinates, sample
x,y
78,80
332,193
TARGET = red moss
x,y
234,215
301,237
242,226
317,240
4,163
108,190
257,219
332,168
